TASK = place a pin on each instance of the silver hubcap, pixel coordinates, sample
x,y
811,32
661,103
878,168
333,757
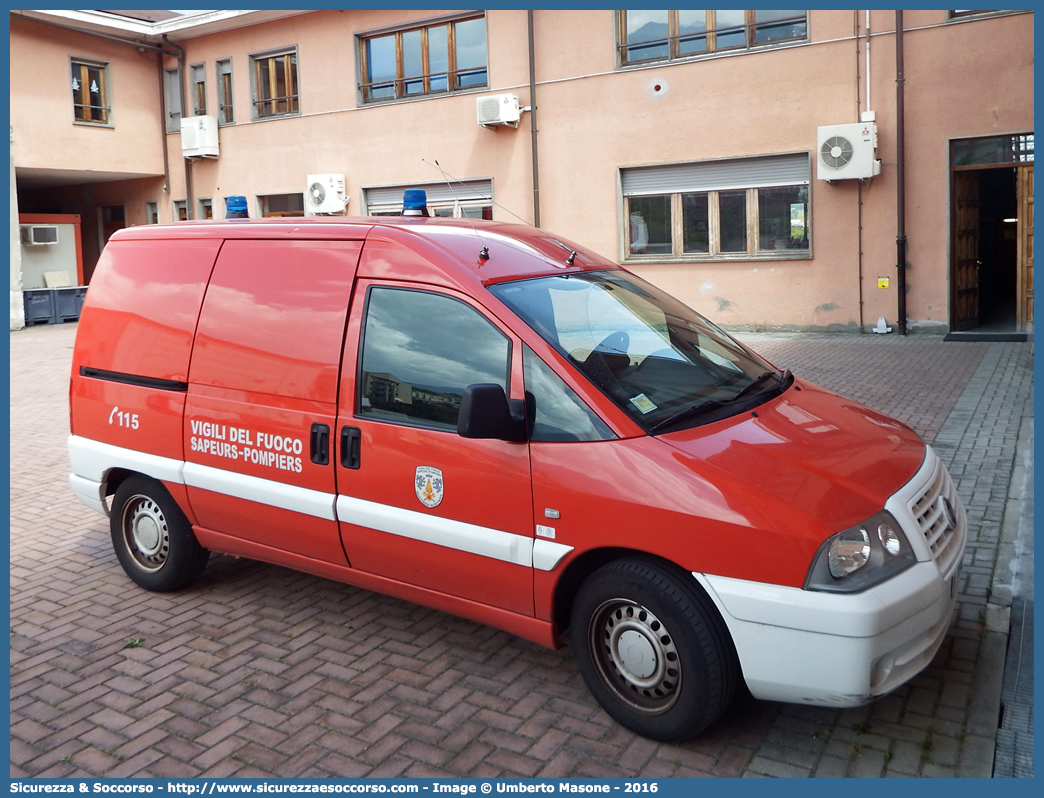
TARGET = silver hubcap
x,y
145,533
636,655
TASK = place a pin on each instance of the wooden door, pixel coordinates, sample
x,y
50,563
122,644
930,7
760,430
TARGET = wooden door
x,y
1024,299
964,310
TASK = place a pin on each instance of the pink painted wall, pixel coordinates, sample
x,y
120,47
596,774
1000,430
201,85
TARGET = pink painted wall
x,y
963,79
42,113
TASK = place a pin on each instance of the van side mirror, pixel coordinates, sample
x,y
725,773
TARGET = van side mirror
x,y
486,412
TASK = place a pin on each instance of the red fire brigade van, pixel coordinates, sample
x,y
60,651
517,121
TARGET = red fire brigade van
x,y
495,422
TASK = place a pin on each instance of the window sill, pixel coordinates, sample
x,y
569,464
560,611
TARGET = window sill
x,y
431,96
986,15
724,53
782,255
272,118
82,123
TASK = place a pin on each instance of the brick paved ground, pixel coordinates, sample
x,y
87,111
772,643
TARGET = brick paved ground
x,y
257,671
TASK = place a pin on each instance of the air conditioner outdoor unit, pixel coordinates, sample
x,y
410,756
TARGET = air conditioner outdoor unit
x,y
847,152
325,194
33,235
199,137
498,109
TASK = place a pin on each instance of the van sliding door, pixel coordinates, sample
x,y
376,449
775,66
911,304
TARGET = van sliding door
x,y
262,398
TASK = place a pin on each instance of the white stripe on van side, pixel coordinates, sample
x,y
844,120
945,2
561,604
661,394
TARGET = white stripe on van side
x,y
457,535
263,491
92,460
547,554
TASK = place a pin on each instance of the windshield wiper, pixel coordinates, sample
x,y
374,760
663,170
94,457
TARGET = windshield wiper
x,y
691,412
758,381
782,381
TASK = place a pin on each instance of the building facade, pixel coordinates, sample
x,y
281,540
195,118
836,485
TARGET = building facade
x,y
763,166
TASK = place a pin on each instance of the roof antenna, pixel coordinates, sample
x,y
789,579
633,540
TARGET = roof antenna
x,y
489,199
484,252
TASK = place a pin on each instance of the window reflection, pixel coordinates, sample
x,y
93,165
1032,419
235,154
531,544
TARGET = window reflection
x,y
650,225
420,351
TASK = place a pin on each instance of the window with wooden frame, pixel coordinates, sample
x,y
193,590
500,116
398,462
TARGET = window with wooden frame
x,y
736,209
206,209
275,84
198,88
90,92
436,57
180,210
668,35
224,90
282,204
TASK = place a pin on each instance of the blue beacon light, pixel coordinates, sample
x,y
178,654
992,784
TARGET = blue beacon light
x,y
414,202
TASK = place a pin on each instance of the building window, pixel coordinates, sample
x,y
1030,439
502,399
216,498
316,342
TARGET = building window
x,y
180,210
282,205
151,213
199,89
224,87
993,151
172,94
90,95
206,209
434,58
470,199
668,35
735,209
275,84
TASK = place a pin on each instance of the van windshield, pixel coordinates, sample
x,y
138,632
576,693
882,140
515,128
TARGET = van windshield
x,y
665,365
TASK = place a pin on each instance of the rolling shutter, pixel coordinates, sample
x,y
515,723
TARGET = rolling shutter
x,y
390,197
775,170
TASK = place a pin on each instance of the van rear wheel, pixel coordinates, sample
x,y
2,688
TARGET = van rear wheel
x,y
153,539
653,649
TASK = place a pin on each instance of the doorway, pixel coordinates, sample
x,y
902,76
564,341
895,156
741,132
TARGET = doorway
x,y
991,270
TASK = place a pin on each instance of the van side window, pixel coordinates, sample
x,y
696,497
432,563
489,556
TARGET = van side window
x,y
556,413
420,351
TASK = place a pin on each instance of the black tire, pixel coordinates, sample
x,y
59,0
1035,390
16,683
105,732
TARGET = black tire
x,y
153,539
653,649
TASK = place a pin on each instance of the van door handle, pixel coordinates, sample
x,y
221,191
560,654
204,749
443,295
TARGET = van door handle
x,y
320,444
351,438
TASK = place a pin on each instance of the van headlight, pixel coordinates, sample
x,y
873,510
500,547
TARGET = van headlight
x,y
861,556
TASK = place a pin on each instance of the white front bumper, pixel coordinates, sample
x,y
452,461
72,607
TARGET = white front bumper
x,y
834,649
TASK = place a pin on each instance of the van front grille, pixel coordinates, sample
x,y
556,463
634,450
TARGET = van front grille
x,y
939,516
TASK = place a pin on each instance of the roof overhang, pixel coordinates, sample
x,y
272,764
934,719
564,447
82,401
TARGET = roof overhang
x,y
182,27
29,178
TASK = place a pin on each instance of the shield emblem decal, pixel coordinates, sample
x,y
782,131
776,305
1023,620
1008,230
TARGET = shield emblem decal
x,y
428,484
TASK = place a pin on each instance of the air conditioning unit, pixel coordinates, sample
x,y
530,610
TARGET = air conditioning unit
x,y
498,109
847,152
325,194
33,235
199,137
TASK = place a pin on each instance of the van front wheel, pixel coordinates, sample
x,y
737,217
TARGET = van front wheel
x,y
652,649
152,537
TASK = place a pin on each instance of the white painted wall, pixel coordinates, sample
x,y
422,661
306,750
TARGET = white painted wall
x,y
17,311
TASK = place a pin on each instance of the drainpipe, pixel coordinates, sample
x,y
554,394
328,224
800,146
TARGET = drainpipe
x,y
859,188
533,124
189,203
900,136
163,124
